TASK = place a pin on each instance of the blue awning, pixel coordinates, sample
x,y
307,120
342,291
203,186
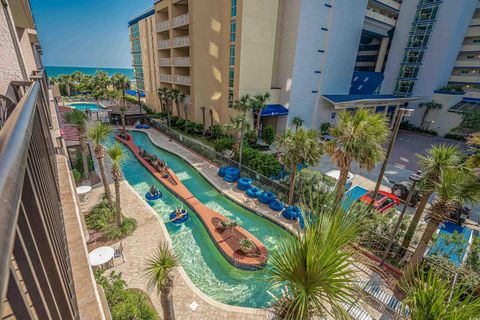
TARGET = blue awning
x,y
272,110
134,93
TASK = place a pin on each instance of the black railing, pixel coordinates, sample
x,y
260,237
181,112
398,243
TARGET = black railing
x,y
260,180
35,272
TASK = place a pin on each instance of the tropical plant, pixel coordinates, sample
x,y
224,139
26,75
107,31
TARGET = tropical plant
x,y
473,160
259,102
246,245
116,154
99,133
121,83
251,137
102,81
237,126
357,137
324,127
430,297
297,122
432,105
65,84
124,303
174,97
470,123
436,159
159,276
78,118
162,95
268,135
123,109
224,143
452,88
244,104
314,269
299,147
454,187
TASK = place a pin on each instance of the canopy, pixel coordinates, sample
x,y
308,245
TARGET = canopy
x,y
272,110
134,93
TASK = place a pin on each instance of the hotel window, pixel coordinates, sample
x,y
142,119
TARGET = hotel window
x,y
234,8
231,77
408,72
230,97
233,31
404,86
422,27
333,115
420,2
425,14
475,40
417,41
412,56
232,55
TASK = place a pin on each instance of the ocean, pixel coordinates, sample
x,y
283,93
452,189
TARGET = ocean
x,y
55,71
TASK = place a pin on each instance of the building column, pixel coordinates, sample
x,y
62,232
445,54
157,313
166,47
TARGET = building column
x,y
381,54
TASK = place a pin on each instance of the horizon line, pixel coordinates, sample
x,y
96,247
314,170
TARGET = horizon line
x,y
88,67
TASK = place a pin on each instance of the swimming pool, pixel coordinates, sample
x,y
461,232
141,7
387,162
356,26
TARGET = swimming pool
x,y
441,248
200,258
84,105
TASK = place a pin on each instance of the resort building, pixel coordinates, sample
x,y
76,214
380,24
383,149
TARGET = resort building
x,y
44,269
316,58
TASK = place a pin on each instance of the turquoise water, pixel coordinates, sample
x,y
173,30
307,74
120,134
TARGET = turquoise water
x,y
84,106
202,261
55,71
441,248
352,195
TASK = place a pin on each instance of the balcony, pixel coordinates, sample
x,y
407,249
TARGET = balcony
x,y
470,47
473,32
181,61
164,62
182,20
181,42
163,26
475,22
183,80
163,44
166,78
380,18
389,4
465,79
469,63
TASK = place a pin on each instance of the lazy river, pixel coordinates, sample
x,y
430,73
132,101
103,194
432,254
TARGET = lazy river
x,y
202,261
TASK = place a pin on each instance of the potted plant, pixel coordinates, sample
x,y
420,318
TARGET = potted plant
x,y
246,245
154,161
227,225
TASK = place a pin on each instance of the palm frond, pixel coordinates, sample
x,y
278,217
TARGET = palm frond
x,y
76,117
99,132
160,266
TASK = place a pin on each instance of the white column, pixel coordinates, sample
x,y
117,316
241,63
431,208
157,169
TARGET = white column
x,y
381,54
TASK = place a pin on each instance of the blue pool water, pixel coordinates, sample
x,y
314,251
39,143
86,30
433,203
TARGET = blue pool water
x,y
441,248
202,261
84,106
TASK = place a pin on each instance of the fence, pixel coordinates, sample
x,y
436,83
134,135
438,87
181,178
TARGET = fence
x,y
261,181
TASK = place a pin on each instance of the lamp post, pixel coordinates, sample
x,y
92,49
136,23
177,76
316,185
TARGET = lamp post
x,y
396,127
203,118
414,178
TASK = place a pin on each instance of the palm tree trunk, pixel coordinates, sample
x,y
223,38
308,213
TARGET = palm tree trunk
x,y
415,220
340,188
84,150
106,187
257,125
424,118
185,111
123,125
241,143
118,208
67,88
123,96
292,184
161,105
422,247
166,300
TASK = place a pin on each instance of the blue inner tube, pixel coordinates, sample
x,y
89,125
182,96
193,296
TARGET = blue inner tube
x,y
156,196
222,171
254,192
180,220
276,205
138,126
146,126
244,183
234,172
267,197
290,215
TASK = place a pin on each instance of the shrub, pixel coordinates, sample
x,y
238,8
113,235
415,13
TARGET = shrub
x,y
198,128
189,127
76,175
324,127
406,125
125,304
251,137
452,88
112,232
264,163
454,136
308,178
268,135
173,121
225,143
216,132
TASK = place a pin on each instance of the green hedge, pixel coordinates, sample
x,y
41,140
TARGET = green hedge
x,y
406,125
264,163
454,136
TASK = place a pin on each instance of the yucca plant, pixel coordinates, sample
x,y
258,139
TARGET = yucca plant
x,y
159,275
116,154
79,119
297,122
315,269
99,133
430,297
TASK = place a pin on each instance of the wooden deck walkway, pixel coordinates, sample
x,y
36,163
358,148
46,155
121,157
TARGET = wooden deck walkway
x,y
206,215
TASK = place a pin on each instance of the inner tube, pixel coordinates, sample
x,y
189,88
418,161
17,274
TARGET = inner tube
x,y
222,171
267,197
254,192
179,220
150,196
138,126
244,183
276,205
146,126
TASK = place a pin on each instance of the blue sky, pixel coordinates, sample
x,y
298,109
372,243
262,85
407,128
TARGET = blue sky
x,y
86,33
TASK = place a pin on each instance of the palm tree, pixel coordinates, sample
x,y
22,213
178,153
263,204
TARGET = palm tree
x,y
297,122
99,133
159,276
314,270
116,154
244,104
102,81
356,137
432,105
436,159
174,93
259,102
179,97
473,160
162,95
123,109
429,297
78,118
121,83
299,147
66,82
237,123
458,186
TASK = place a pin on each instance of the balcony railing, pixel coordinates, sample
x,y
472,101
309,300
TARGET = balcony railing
x,y
162,26
465,78
380,17
468,63
183,80
473,31
471,47
163,44
181,42
35,271
182,20
166,78
181,61
164,61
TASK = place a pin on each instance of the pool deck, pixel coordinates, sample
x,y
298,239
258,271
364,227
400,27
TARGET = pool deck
x,y
206,215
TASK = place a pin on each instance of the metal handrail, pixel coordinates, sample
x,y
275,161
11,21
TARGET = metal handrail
x,y
15,138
